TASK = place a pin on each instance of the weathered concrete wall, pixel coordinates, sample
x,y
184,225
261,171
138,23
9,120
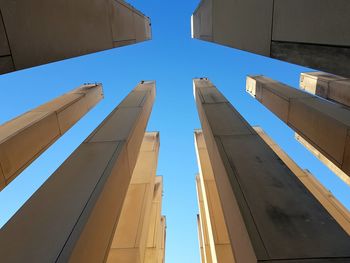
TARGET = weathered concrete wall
x,y
36,32
72,217
311,33
24,138
270,215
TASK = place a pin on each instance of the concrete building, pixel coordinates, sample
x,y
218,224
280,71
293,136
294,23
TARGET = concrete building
x,y
35,32
324,125
24,138
311,33
323,195
215,240
270,215
72,217
140,229
330,87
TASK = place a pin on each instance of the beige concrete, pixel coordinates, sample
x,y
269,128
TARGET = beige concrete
x,y
324,196
129,241
312,33
73,215
200,239
155,244
323,124
24,138
328,86
219,240
269,213
335,169
31,34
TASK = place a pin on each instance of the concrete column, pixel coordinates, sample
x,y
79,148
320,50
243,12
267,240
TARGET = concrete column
x,y
270,215
325,125
200,238
323,195
73,215
24,138
31,34
311,33
330,87
155,245
219,240
129,241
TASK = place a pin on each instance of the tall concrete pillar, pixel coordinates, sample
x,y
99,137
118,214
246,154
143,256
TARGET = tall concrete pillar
x,y
219,240
200,238
31,34
129,241
155,245
73,215
270,215
325,125
24,138
311,33
328,86
323,195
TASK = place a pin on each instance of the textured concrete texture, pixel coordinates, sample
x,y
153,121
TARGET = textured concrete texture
x,y
323,124
130,238
24,138
327,86
218,238
324,196
31,34
311,33
270,215
73,215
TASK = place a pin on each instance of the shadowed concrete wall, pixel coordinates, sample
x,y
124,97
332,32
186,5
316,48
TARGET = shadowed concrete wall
x,y
24,138
327,86
312,33
129,241
218,237
270,215
36,32
325,125
323,195
73,215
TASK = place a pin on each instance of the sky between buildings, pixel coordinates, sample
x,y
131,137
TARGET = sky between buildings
x,y
172,58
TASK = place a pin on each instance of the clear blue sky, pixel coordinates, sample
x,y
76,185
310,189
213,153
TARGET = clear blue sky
x,y
172,58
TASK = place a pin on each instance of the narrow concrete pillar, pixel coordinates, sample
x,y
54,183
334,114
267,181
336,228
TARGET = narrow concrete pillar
x,y
328,86
129,241
219,240
270,215
208,257
325,125
31,35
200,238
73,215
323,195
335,169
24,138
155,246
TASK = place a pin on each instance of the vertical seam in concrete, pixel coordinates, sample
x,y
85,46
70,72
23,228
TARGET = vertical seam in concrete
x,y
58,123
272,17
3,175
246,202
7,38
87,203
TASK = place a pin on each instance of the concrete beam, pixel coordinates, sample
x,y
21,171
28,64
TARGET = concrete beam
x,y
323,195
270,215
323,124
31,34
287,30
155,246
130,237
73,215
200,235
26,137
327,86
219,240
